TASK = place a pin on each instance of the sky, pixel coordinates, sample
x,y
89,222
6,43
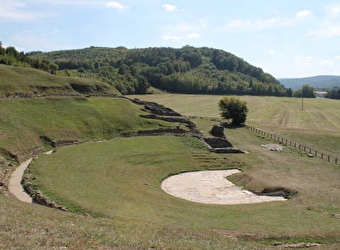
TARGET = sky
x,y
286,38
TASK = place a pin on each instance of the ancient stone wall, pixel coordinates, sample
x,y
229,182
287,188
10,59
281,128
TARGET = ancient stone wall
x,y
40,198
217,142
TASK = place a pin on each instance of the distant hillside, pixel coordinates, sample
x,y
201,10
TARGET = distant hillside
x,y
28,81
185,70
318,82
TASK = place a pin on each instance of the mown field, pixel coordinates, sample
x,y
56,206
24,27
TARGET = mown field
x,y
25,122
121,179
28,81
118,183
317,125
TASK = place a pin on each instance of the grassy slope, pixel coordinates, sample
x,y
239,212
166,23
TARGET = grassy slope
x,y
24,121
126,184
15,80
26,226
178,224
318,125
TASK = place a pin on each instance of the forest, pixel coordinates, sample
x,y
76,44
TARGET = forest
x,y
334,93
185,70
10,56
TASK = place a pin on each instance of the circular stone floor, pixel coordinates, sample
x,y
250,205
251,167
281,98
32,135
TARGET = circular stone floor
x,y
212,187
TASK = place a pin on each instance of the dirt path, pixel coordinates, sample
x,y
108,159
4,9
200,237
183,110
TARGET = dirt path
x,y
15,186
208,187
212,187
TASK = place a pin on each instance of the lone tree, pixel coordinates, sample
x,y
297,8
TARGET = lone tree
x,y
234,109
306,91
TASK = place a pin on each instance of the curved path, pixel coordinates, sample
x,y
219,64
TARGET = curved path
x,y
208,187
15,186
212,187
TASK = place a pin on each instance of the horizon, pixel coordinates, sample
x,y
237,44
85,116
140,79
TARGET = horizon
x,y
287,39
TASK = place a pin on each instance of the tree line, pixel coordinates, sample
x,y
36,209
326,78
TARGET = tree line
x,y
334,93
306,91
185,70
10,56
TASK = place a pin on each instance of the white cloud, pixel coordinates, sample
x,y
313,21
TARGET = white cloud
x,y
184,30
327,63
17,10
193,35
31,41
271,51
337,57
169,7
117,5
240,25
66,2
327,30
302,60
183,37
333,12
303,14
171,38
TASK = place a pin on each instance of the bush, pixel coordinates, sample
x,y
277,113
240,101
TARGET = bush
x,y
233,109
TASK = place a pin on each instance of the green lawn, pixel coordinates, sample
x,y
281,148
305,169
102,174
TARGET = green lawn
x,y
18,80
24,121
317,126
120,179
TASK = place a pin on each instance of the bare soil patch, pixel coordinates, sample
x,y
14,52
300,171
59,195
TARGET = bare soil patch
x,y
212,187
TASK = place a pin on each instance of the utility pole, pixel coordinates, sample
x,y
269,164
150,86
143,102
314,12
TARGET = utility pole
x,y
302,98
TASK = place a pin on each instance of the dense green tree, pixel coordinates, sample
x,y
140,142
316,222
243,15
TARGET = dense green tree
x,y
306,91
233,109
184,70
334,93
289,92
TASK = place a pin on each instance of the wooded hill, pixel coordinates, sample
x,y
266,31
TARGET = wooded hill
x,y
185,70
325,82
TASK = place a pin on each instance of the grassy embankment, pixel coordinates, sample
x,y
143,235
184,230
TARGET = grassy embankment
x,y
24,122
28,81
317,126
121,179
118,183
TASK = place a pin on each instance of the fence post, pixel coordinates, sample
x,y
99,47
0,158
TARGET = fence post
x,y
279,139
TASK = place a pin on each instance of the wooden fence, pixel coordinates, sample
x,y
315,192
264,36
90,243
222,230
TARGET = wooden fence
x,y
311,152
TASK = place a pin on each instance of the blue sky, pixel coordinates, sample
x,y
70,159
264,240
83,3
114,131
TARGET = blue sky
x,y
286,38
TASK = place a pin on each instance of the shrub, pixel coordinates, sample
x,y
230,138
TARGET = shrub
x,y
233,109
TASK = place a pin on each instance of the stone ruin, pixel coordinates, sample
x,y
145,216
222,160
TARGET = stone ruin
x,y
218,143
217,130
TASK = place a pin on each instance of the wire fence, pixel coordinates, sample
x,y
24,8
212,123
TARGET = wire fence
x,y
311,152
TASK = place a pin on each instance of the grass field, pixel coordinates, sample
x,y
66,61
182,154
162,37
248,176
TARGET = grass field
x,y
317,125
118,181
17,80
24,121
272,112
